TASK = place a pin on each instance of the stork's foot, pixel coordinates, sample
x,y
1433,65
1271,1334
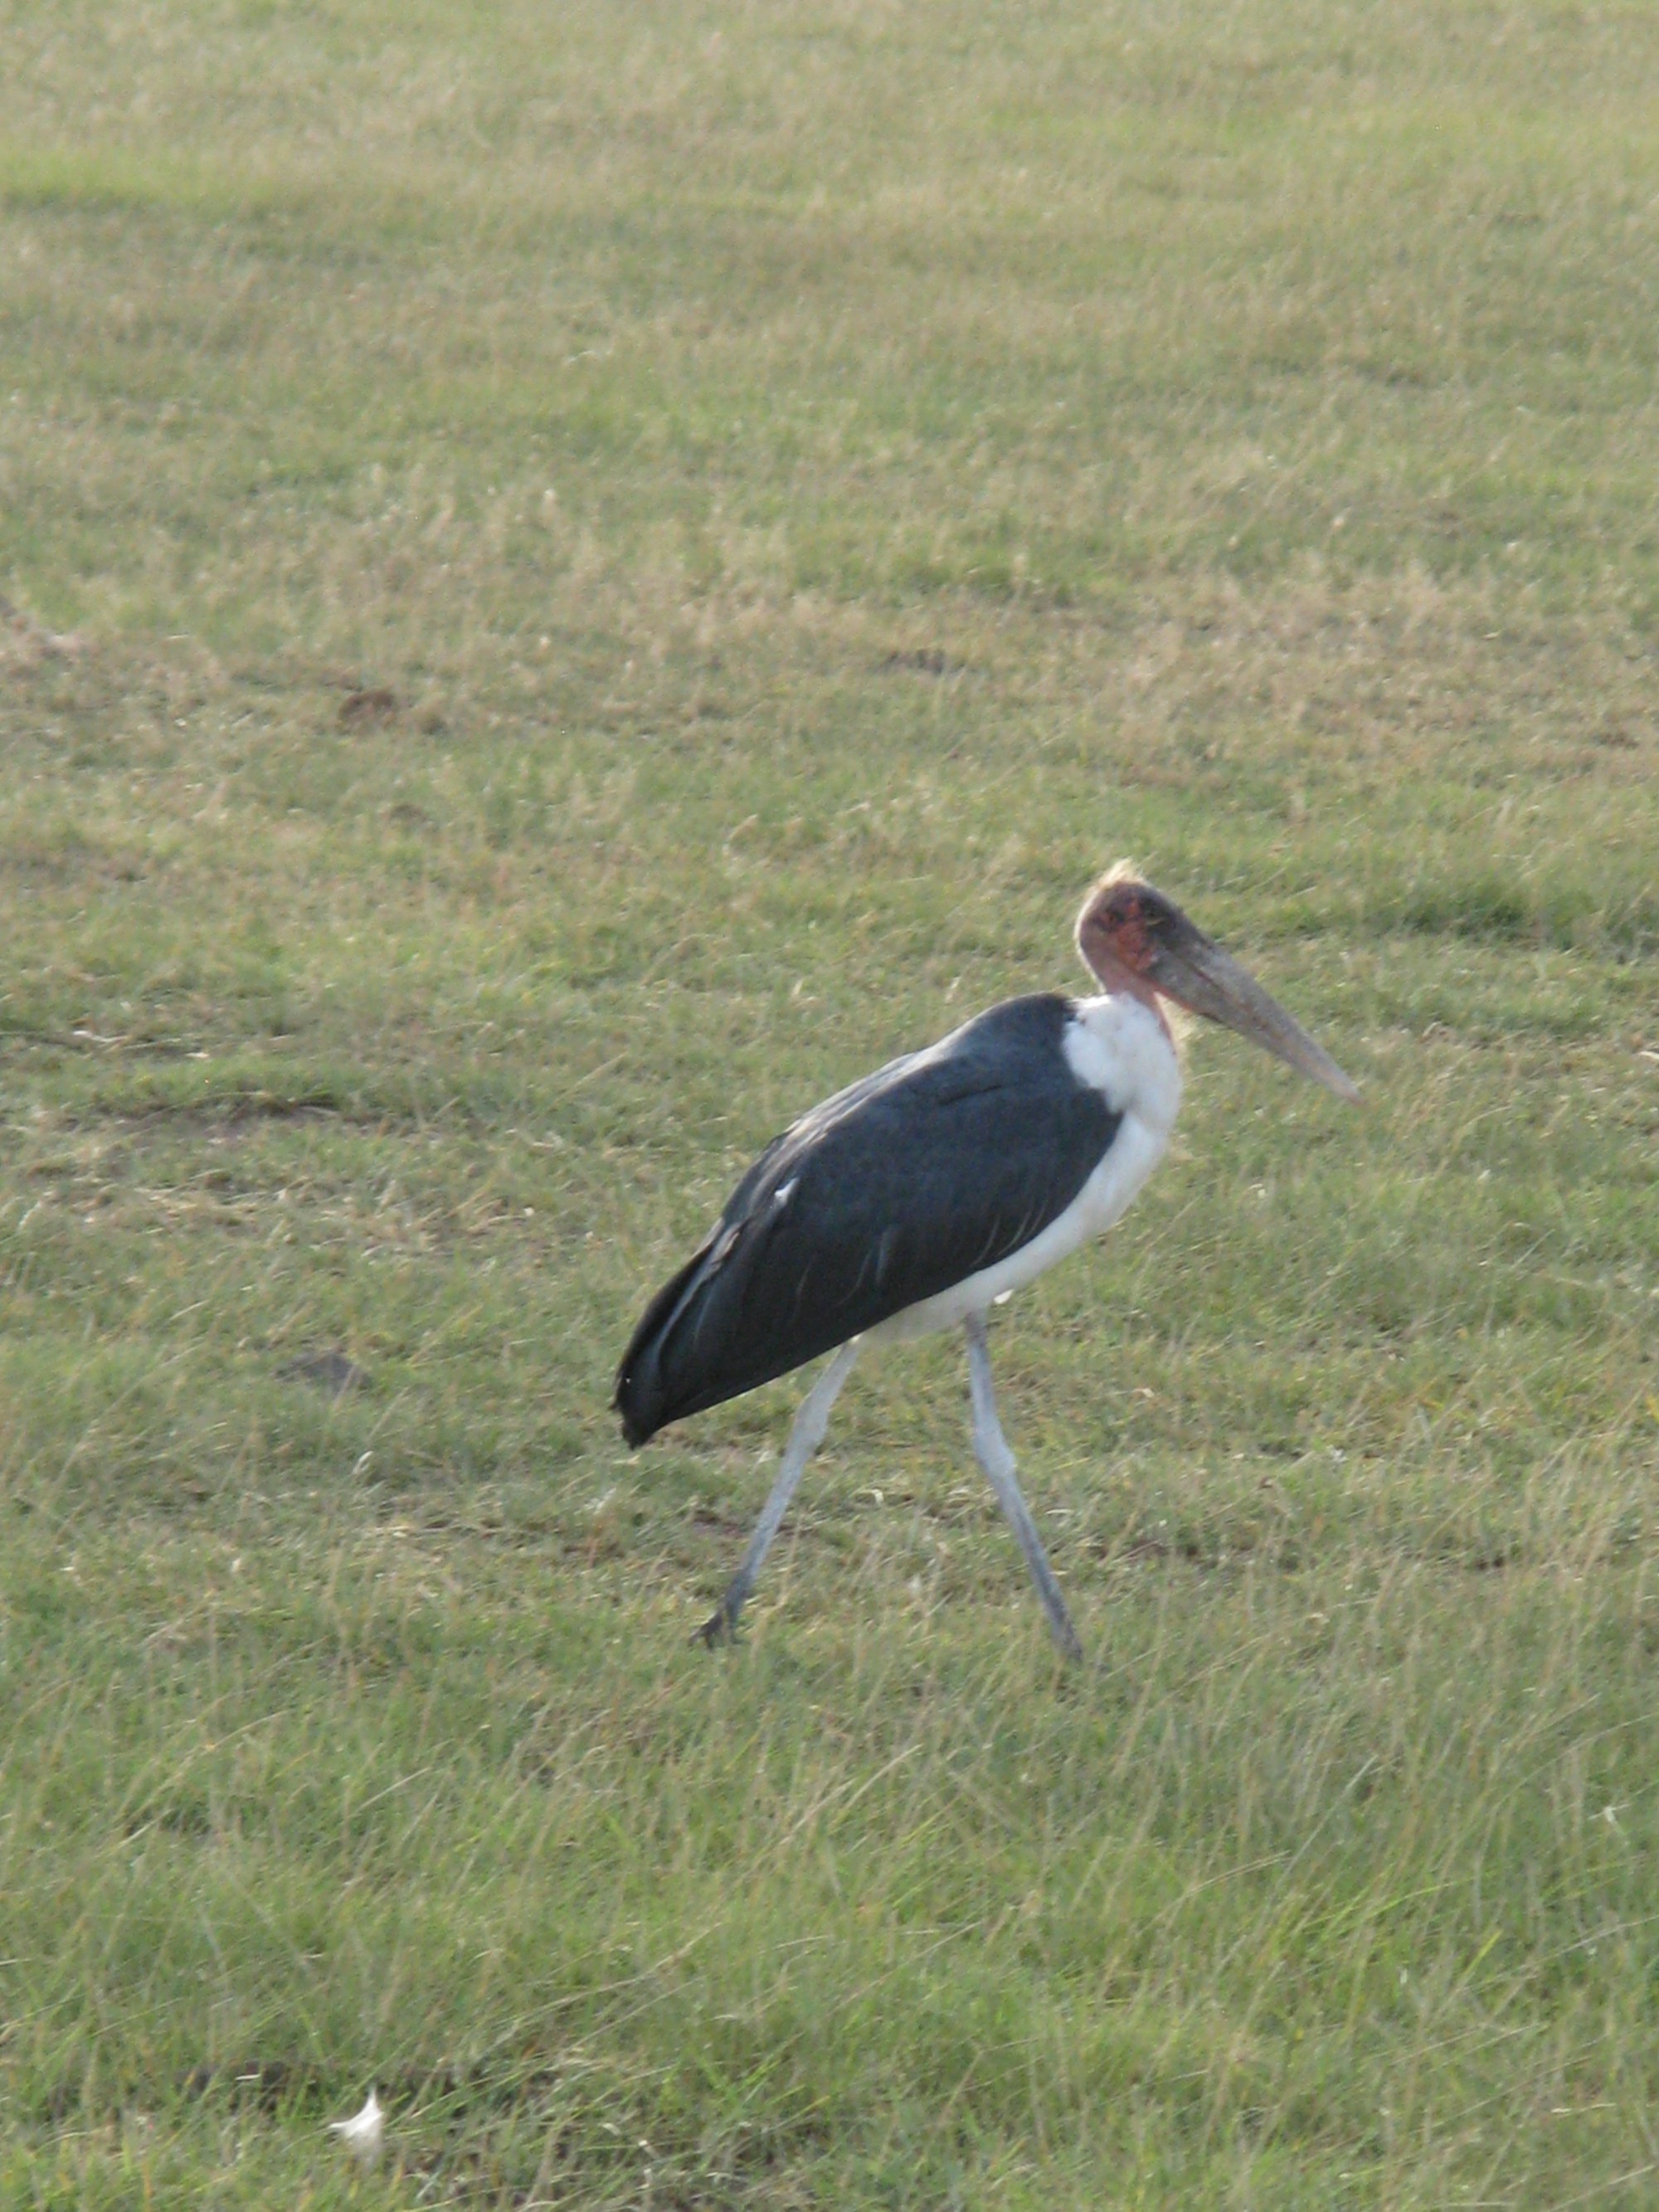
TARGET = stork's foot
x,y
721,1627
1065,1636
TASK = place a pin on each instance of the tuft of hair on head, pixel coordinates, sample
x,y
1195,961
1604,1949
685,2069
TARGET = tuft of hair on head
x,y
1121,872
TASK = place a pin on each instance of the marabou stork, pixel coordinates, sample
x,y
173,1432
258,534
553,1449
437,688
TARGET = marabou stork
x,y
924,1195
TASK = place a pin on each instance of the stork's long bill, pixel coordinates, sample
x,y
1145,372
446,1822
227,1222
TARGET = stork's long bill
x,y
1135,939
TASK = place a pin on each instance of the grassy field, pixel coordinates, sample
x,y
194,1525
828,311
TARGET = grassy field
x,y
573,579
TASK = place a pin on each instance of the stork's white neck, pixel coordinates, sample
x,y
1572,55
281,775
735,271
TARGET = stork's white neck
x,y
1119,1047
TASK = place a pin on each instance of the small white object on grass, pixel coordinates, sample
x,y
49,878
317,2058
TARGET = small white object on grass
x,y
364,2133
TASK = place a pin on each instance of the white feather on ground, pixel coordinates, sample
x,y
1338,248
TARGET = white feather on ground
x,y
364,2133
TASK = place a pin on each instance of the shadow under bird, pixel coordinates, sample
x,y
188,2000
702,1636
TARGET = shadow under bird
x,y
923,1196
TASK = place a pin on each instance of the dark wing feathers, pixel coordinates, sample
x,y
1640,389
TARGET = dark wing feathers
x,y
936,1166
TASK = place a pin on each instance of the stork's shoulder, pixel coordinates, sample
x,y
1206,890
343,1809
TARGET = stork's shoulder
x,y
1015,1033
1121,1049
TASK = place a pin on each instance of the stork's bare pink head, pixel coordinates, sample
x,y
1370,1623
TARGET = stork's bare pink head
x,y
1133,938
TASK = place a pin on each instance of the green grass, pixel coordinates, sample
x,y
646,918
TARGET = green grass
x,y
576,578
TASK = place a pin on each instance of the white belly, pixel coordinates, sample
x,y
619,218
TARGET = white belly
x,y
1124,1051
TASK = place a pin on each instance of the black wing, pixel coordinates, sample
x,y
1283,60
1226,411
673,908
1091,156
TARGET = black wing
x,y
938,1165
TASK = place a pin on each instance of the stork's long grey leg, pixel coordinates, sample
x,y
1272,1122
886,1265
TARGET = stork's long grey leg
x,y
805,1439
994,1457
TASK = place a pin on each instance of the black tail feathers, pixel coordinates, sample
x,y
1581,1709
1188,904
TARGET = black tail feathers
x,y
706,1337
643,1396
